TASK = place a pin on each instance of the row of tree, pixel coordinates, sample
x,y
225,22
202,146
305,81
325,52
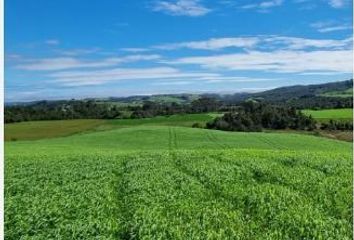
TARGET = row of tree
x,y
255,116
246,116
99,110
66,110
337,125
151,109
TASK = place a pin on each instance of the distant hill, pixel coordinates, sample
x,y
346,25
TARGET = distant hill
x,y
303,91
325,95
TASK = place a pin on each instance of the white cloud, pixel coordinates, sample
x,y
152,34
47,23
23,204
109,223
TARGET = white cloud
x,y
237,79
60,63
135,50
52,42
325,27
214,78
287,61
79,51
283,42
213,44
173,83
263,6
318,73
262,42
334,28
81,78
337,3
191,8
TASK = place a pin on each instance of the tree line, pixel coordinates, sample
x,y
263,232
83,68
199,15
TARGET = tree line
x,y
61,111
90,109
250,115
255,116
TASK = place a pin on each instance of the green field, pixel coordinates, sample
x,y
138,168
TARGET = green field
x,y
344,114
149,181
51,129
47,129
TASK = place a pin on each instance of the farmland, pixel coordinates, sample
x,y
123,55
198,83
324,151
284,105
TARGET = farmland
x,y
345,114
152,181
50,129
47,129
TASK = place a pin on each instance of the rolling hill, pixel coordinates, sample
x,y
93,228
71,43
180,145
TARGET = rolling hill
x,y
340,89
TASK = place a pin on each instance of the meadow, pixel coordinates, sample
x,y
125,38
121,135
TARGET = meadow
x,y
152,181
343,114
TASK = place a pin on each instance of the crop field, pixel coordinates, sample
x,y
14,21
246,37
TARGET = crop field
x,y
51,129
168,182
345,114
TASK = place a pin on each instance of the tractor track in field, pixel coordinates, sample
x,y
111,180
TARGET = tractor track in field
x,y
270,143
173,146
172,139
212,188
125,211
214,140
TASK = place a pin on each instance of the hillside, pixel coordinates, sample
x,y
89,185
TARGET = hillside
x,y
327,95
340,89
155,137
303,91
34,130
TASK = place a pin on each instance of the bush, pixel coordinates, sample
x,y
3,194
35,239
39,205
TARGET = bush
x,y
197,125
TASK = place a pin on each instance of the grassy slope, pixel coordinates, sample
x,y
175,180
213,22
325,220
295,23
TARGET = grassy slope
x,y
163,182
152,138
47,129
52,129
323,115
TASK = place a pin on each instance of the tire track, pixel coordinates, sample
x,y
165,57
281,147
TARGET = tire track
x,y
125,210
201,178
214,140
270,143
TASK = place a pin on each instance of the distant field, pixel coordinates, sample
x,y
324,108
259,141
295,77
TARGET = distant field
x,y
49,129
335,114
163,182
150,138
186,120
345,93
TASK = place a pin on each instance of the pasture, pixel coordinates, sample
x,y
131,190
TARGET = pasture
x,y
148,181
344,114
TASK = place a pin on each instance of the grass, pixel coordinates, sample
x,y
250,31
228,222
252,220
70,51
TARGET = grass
x,y
343,114
47,129
51,129
186,120
152,138
163,182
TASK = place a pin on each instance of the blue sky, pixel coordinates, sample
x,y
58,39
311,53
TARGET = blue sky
x,y
62,49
